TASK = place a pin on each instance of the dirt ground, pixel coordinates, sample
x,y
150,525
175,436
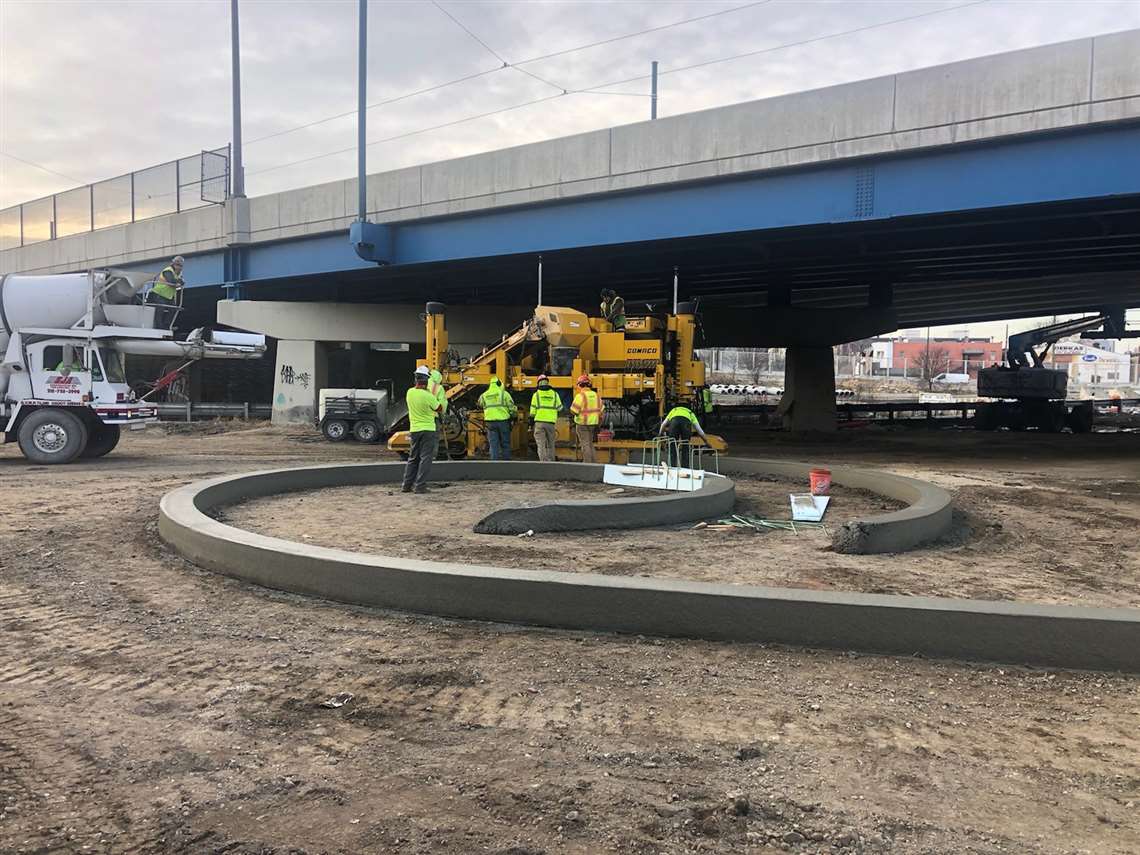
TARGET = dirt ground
x,y
1013,538
147,706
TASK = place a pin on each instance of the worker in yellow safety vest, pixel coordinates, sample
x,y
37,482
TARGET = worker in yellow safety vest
x,y
498,410
679,423
545,405
423,407
707,403
613,309
164,292
435,386
587,409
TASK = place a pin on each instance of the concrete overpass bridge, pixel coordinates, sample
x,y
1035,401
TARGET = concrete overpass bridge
x,y
993,188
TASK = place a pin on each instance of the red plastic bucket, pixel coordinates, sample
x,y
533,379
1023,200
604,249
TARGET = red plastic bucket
x,y
820,481
605,435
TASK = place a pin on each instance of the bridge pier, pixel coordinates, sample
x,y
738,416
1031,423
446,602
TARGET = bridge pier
x,y
808,402
302,370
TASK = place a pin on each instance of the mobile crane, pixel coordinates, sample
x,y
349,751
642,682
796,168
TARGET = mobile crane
x,y
1031,395
640,372
63,385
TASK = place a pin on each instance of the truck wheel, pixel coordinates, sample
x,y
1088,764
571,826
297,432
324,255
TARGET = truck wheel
x,y
335,430
101,439
52,435
986,417
1080,418
366,431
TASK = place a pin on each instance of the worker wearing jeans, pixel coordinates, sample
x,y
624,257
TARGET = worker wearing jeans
x,y
498,410
423,407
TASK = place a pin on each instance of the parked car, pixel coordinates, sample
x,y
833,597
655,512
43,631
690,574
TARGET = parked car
x,y
947,377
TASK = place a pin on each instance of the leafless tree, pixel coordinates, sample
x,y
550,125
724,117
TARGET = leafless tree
x,y
932,361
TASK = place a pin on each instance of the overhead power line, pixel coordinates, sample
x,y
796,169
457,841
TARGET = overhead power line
x,y
595,90
42,167
786,45
505,65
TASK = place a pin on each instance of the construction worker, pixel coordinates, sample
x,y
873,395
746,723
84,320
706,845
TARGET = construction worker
x,y
423,407
435,386
499,409
613,309
164,292
66,366
707,404
545,405
679,423
587,410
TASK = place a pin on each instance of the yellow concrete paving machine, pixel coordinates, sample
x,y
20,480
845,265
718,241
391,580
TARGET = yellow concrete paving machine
x,y
639,372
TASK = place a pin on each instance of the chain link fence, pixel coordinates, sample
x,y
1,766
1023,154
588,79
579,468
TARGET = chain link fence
x,y
168,188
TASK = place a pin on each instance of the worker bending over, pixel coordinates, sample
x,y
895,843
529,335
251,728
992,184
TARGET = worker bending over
x,y
545,405
423,407
679,424
587,410
613,309
498,410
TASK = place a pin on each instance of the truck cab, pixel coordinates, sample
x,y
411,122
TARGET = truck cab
x,y
68,397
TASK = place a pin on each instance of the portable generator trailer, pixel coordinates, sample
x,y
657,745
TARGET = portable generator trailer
x,y
63,385
1028,394
640,373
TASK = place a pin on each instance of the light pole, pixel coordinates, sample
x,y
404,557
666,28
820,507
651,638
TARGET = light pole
x,y
235,78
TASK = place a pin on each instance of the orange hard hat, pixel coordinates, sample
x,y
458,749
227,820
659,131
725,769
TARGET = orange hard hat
x,y
584,379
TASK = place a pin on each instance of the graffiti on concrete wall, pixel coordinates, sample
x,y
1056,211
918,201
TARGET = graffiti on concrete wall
x,y
290,377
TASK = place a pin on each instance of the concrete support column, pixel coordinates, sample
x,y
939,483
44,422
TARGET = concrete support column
x,y
808,403
302,369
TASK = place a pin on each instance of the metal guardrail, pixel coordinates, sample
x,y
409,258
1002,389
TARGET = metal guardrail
x,y
190,411
931,410
168,188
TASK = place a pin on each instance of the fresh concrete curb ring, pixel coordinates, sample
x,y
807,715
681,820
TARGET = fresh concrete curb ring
x,y
928,515
1063,636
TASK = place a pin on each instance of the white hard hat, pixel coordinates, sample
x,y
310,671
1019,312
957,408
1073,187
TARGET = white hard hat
x,y
178,259
424,370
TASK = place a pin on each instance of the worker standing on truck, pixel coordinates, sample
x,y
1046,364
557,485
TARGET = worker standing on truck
x,y
587,410
423,407
613,309
498,410
545,405
679,423
164,292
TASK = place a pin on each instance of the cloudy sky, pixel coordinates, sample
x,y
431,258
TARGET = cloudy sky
x,y
90,89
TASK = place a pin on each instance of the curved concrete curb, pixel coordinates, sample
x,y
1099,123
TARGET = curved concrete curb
x,y
1063,636
927,516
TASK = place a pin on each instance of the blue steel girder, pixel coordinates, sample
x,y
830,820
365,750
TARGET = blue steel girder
x,y
1087,164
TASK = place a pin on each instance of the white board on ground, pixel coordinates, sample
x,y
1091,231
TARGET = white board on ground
x,y
655,477
808,508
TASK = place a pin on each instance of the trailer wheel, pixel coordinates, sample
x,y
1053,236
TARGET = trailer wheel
x,y
335,430
101,440
52,435
366,431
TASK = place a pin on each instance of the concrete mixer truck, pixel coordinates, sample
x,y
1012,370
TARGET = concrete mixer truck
x,y
63,338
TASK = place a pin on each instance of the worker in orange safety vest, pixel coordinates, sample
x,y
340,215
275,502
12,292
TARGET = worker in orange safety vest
x,y
587,410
